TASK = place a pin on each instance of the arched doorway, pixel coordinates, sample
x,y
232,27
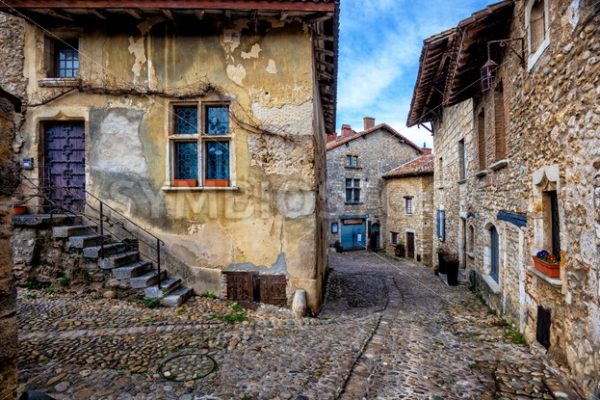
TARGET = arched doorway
x,y
374,238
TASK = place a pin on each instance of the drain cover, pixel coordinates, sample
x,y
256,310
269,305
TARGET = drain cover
x,y
187,367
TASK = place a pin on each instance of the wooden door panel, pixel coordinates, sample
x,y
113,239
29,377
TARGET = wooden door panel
x,y
273,290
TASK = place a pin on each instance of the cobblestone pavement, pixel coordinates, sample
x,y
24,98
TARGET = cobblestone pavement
x,y
389,330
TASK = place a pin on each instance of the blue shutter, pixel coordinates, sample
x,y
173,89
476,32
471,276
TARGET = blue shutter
x,y
437,223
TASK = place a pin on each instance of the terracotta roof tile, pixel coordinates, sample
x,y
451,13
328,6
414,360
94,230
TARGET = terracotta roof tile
x,y
419,166
347,139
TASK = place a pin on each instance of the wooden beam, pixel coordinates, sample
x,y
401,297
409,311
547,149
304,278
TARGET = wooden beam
x,y
133,13
168,14
242,5
325,51
52,13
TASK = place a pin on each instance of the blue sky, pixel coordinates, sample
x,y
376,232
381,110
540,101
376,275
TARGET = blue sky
x,y
380,45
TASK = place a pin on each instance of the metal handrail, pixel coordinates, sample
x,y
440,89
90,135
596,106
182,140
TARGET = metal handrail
x,y
157,242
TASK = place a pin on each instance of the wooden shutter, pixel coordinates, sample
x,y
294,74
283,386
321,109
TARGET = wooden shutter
x,y
273,290
499,122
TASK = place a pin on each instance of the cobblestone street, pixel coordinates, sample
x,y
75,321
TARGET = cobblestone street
x,y
389,330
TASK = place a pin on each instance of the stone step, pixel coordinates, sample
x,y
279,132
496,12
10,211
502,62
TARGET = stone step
x,y
45,220
106,251
147,279
66,231
132,270
167,285
177,297
119,260
79,242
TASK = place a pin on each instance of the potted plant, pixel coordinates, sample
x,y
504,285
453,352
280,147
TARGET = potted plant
x,y
547,263
19,208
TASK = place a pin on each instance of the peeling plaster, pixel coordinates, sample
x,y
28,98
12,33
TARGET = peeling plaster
x,y
272,67
236,74
231,40
117,147
136,47
290,118
279,267
253,53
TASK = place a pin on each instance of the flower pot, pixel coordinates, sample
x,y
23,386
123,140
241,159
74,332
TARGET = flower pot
x,y
19,210
550,270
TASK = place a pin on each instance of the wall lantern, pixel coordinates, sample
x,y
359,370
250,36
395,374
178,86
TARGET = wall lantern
x,y
489,69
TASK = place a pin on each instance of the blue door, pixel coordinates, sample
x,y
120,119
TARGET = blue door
x,y
495,254
353,235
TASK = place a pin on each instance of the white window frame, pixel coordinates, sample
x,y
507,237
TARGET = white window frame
x,y
200,138
409,205
535,56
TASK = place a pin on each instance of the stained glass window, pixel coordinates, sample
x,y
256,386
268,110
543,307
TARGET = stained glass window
x,y
186,120
217,160
67,59
217,120
186,156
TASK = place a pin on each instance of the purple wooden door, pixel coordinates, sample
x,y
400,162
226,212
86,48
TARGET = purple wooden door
x,y
65,166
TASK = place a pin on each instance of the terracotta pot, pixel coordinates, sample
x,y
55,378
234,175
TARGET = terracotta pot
x,y
19,210
550,270
185,183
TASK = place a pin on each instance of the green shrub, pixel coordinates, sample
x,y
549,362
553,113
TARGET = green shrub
x,y
152,302
237,314
209,295
64,281
33,283
50,290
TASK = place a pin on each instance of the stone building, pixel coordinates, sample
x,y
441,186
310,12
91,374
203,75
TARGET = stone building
x,y
517,166
408,209
202,124
356,162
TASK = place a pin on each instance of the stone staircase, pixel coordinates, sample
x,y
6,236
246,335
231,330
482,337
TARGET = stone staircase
x,y
123,262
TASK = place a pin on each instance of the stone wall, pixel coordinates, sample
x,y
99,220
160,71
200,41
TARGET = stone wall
x,y
9,122
12,32
379,152
552,124
421,222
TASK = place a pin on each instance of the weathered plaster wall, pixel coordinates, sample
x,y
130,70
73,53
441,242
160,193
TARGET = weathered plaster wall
x,y
421,222
379,152
128,81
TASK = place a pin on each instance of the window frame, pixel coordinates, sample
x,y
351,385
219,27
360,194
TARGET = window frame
x,y
535,55
201,138
394,238
334,228
352,161
462,160
354,188
441,225
409,207
51,58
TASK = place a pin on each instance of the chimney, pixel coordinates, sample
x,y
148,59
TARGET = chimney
x,y
346,130
369,122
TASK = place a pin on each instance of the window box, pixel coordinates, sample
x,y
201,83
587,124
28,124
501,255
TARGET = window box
x,y
185,183
551,270
216,183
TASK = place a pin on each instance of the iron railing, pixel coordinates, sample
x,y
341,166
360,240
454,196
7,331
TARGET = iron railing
x,y
108,219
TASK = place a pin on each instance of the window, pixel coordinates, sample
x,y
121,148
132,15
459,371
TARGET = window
x,y
461,160
62,58
351,161
187,138
441,225
441,169
499,122
481,140
334,228
394,237
551,222
408,202
495,255
537,25
352,190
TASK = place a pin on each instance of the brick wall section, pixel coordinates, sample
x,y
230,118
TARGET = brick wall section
x,y
379,153
421,222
